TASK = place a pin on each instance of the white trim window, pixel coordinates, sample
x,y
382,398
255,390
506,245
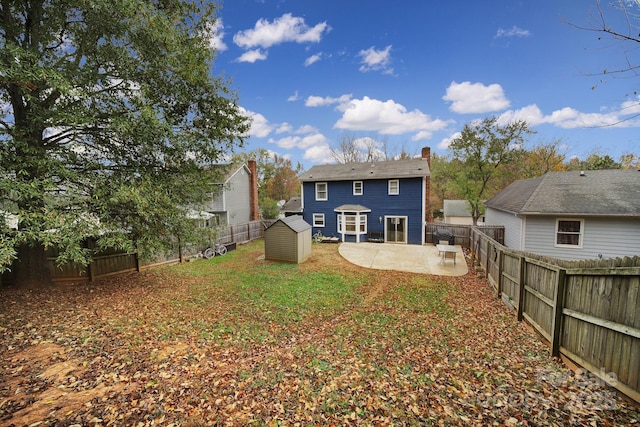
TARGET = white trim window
x,y
349,223
394,187
357,188
322,191
318,220
569,232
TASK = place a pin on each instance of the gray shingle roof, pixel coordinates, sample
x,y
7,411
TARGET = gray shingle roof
x,y
293,205
599,193
411,168
294,222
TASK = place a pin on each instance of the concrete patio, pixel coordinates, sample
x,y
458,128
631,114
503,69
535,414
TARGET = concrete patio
x,y
411,258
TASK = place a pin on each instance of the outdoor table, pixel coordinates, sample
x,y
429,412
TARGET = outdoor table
x,y
446,251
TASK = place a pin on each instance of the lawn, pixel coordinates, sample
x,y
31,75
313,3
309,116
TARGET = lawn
x,y
240,341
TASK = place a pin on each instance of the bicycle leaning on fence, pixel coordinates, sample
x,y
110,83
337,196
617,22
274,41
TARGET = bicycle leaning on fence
x,y
218,249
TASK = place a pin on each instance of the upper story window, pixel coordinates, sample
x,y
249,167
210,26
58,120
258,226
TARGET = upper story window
x,y
357,188
394,187
322,192
569,232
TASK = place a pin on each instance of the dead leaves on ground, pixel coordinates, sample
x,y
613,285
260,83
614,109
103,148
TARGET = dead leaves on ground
x,y
168,347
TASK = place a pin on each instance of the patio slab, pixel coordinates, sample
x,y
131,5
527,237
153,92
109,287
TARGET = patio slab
x,y
412,258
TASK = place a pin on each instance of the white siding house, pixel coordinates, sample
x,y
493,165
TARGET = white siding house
x,y
571,215
231,201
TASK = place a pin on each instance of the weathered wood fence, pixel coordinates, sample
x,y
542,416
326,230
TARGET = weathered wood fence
x,y
588,311
110,262
462,233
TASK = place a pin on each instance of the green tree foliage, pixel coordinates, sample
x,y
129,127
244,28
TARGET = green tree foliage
x,y
593,162
109,119
443,175
482,149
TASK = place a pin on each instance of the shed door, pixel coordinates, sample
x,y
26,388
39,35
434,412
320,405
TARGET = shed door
x,y
396,229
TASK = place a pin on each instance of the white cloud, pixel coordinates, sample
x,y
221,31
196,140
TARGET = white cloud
x,y
252,56
570,118
467,97
260,126
312,59
294,97
301,142
376,60
287,28
446,142
513,32
318,101
306,129
216,35
387,118
318,154
284,128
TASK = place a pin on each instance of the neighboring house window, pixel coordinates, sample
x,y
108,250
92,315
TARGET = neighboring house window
x,y
321,191
569,232
352,224
357,188
394,186
318,220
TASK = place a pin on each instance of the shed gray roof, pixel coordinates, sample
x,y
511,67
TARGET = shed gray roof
x,y
294,222
410,168
597,193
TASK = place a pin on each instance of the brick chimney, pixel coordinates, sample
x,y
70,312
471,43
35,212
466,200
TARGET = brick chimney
x,y
253,191
426,154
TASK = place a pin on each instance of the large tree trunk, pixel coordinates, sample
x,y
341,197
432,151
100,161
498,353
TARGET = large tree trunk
x,y
32,267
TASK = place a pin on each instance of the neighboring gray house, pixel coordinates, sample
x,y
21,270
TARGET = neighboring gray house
x,y
571,215
458,212
235,200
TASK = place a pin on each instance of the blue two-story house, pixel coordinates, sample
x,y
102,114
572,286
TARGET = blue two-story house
x,y
358,202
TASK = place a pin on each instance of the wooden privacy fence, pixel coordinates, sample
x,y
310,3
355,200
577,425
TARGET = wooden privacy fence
x,y
238,233
462,232
589,311
111,262
106,262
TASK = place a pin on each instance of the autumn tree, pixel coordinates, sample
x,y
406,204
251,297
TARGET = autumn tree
x,y
594,161
535,161
443,175
109,118
482,148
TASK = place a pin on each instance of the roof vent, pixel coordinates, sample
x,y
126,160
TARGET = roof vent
x,y
582,173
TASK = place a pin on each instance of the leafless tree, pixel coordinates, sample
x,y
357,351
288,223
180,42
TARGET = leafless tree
x,y
625,33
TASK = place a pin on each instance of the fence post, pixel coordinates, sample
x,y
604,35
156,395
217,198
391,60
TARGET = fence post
x,y
486,266
558,299
499,278
523,274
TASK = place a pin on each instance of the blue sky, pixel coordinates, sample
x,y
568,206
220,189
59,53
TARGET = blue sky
x,y
412,73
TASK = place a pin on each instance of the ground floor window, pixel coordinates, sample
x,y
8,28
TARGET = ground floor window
x,y
318,220
569,232
352,223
